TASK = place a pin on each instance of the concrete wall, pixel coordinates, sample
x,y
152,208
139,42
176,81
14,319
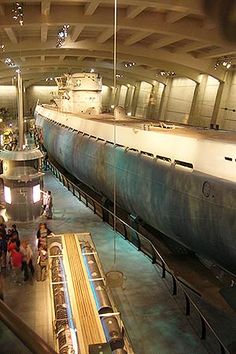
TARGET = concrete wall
x,y
129,99
208,101
41,93
8,99
122,97
185,102
180,100
228,107
106,98
155,100
143,100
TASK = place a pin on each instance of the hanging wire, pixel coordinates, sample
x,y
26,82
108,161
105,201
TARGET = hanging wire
x,y
114,150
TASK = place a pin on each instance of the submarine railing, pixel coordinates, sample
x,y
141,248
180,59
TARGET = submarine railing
x,y
138,240
31,340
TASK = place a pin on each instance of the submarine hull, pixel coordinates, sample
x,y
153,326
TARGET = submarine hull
x,y
195,209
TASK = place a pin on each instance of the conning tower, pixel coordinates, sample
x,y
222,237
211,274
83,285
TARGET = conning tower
x,y
79,93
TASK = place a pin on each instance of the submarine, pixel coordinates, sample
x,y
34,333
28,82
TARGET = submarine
x,y
179,179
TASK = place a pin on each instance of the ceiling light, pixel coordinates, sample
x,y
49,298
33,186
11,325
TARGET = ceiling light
x,y
62,34
165,73
18,12
10,62
118,76
223,62
129,64
92,70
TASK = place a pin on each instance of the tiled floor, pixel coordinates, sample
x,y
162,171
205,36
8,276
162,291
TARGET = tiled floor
x,y
154,322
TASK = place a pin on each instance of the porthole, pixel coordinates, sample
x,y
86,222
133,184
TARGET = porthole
x,y
206,189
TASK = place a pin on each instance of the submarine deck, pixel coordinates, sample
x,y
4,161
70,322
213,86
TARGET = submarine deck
x,y
154,321
165,127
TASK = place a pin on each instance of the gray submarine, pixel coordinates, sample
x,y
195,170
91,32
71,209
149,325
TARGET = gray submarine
x,y
178,179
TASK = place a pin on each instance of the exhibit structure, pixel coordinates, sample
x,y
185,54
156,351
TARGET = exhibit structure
x,y
22,173
85,318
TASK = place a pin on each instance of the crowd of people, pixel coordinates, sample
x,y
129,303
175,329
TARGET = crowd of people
x,y
17,256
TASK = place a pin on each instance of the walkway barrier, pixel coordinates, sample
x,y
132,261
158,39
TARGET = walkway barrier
x,y
142,243
29,338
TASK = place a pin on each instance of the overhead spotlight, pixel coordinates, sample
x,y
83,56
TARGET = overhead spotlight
x,y
62,34
165,73
18,12
10,62
118,76
129,64
223,62
92,70
2,47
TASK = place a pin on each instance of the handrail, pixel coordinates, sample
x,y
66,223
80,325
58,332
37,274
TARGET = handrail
x,y
164,265
25,334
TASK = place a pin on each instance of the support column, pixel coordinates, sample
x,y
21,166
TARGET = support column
x,y
165,98
135,97
129,98
117,95
221,100
198,97
152,102
20,112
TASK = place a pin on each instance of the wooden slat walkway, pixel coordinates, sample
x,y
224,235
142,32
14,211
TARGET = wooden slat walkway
x,y
86,317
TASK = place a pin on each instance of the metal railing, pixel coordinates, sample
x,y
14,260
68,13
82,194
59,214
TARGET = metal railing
x,y
26,335
146,246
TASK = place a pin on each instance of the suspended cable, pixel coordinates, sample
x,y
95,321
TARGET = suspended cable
x,y
114,151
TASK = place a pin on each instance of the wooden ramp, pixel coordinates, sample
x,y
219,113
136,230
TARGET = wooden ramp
x,y
83,304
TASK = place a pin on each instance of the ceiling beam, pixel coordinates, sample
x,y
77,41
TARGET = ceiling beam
x,y
44,33
137,53
165,41
136,37
45,7
218,53
105,35
2,10
61,58
192,47
91,7
208,24
195,6
11,35
76,32
173,16
134,11
153,22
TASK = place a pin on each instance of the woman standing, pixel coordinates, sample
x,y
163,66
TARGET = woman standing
x,y
42,234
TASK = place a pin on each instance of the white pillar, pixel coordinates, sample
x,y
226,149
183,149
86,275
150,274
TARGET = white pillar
x,y
20,112
199,93
165,98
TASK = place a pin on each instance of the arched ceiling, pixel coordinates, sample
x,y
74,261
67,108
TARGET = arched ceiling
x,y
171,35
